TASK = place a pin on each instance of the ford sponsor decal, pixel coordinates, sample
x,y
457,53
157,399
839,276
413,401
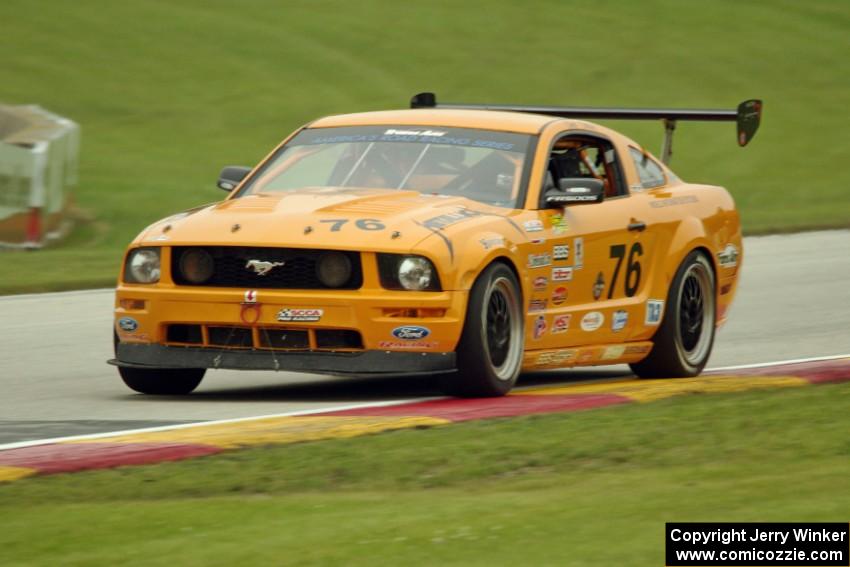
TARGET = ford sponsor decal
x,y
128,324
411,333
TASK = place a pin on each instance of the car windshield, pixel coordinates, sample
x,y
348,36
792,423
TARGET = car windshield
x,y
483,165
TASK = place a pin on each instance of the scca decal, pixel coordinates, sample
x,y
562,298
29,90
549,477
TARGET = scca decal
x,y
299,315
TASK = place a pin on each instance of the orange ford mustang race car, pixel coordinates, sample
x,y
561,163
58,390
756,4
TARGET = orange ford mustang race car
x,y
468,241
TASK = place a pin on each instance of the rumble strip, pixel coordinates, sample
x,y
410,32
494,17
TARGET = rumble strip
x,y
195,440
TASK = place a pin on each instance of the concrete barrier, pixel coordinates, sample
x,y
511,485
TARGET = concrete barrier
x,y
39,155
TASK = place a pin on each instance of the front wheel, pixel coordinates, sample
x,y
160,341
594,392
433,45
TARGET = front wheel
x,y
162,381
489,354
683,342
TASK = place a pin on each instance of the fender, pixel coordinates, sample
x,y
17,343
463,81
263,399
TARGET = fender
x,y
468,274
690,235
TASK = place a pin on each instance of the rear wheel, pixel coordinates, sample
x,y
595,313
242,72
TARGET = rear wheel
x,y
684,339
162,381
489,354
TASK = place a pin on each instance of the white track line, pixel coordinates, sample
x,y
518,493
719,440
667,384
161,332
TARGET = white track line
x,y
779,363
36,442
70,293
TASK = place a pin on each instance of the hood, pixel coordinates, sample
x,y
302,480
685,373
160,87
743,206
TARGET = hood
x,y
338,218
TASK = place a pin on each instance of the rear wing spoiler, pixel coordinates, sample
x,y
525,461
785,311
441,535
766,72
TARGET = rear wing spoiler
x,y
747,116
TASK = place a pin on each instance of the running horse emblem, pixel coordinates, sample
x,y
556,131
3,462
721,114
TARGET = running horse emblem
x,y
261,267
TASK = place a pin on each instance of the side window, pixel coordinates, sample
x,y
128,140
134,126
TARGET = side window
x,y
650,172
582,155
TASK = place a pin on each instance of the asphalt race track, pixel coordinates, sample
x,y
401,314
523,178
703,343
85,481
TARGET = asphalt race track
x,y
794,302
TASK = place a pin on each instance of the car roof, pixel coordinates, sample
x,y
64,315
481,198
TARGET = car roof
x,y
520,122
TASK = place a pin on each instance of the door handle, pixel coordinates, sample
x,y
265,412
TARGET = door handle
x,y
637,225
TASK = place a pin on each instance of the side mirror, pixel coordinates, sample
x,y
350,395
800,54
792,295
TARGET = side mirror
x,y
576,191
231,176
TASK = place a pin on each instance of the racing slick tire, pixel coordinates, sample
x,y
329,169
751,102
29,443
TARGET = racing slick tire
x,y
684,339
489,354
162,381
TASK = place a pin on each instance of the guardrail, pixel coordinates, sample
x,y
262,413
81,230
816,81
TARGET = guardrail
x,y
39,153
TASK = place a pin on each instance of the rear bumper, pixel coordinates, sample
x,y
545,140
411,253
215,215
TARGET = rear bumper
x,y
364,363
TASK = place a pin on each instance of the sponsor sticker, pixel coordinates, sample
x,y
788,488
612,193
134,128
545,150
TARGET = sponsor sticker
x,y
672,201
406,344
637,349
561,252
540,283
654,310
598,286
539,260
562,274
578,253
411,333
619,320
559,295
442,221
587,355
128,324
250,296
592,321
561,324
555,358
539,326
396,132
559,224
533,226
536,305
613,352
540,240
728,257
494,242
300,314
135,337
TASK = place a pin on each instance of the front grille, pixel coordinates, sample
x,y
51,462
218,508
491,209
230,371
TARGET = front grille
x,y
190,334
284,338
338,338
235,337
297,272
275,338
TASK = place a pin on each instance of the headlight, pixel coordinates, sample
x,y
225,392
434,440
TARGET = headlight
x,y
333,269
414,273
196,265
142,266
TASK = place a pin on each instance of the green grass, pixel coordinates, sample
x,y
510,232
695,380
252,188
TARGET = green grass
x,y
167,92
589,488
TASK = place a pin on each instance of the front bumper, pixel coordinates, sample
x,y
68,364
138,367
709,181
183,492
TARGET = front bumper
x,y
143,315
364,363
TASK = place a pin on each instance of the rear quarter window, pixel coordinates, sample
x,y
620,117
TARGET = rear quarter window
x,y
651,174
